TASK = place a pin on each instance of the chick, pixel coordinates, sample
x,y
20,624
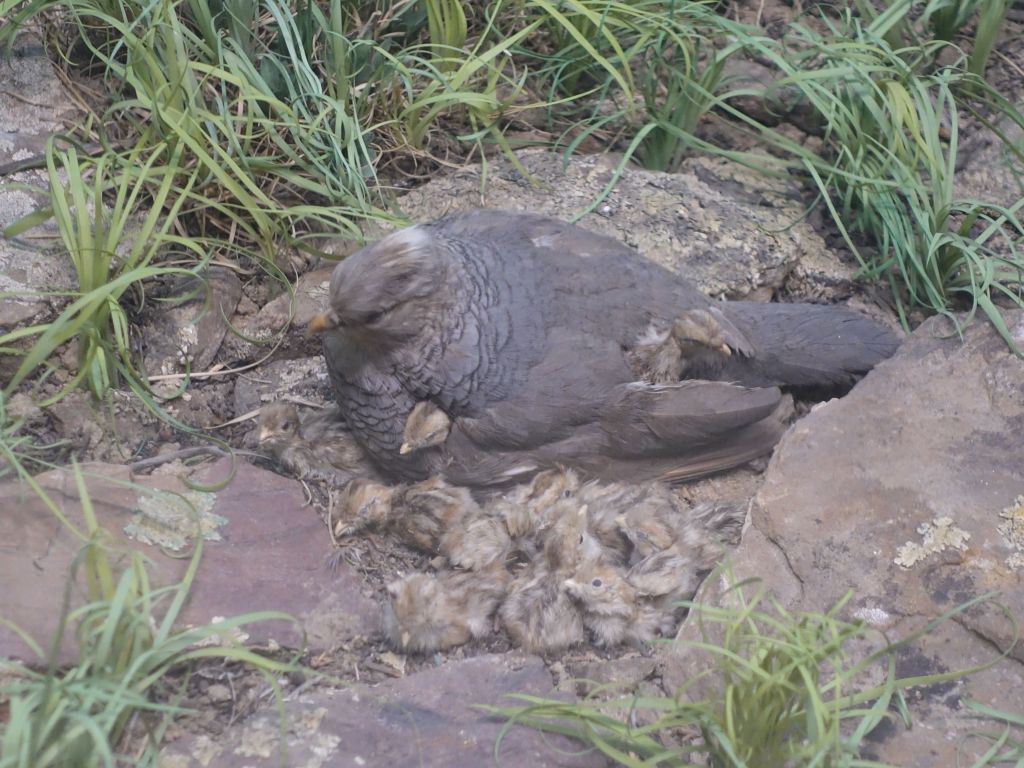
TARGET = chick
x,y
430,613
317,446
426,426
723,519
529,510
612,611
653,521
665,578
363,504
605,503
426,510
695,340
477,542
568,541
538,614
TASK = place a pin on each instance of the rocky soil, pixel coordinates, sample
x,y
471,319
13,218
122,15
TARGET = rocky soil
x,y
909,490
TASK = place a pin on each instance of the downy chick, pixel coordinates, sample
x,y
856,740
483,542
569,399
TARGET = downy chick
x,y
477,542
611,610
318,446
667,577
430,613
653,522
664,355
567,542
426,426
427,510
723,519
538,614
605,503
530,509
363,504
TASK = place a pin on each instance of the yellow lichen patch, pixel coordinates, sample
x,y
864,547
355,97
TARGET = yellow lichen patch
x,y
1012,530
170,520
937,535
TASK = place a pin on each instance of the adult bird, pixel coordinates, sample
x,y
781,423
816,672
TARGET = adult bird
x,y
521,329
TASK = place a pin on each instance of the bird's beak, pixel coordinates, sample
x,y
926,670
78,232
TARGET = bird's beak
x,y
724,349
263,435
405,639
325,321
406,448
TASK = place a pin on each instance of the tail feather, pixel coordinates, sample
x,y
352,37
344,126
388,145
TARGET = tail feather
x,y
805,345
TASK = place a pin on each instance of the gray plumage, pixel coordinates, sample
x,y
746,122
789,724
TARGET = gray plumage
x,y
519,327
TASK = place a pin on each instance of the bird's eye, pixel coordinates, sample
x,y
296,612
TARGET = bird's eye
x,y
596,583
641,535
373,317
566,493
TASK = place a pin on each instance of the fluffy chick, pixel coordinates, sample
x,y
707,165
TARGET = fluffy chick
x,y
567,541
426,510
538,614
723,519
363,504
653,521
430,613
665,578
477,542
317,446
606,601
426,426
664,355
529,510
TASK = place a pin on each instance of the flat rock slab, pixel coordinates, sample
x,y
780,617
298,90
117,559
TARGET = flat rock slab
x,y
263,551
910,492
425,720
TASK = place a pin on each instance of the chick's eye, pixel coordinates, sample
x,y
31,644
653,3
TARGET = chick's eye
x,y
373,317
566,493
641,535
596,583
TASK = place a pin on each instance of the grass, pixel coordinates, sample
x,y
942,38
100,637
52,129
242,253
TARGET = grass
x,y
115,697
770,688
235,130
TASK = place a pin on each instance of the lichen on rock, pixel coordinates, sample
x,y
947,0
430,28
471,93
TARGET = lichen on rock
x,y
170,520
937,535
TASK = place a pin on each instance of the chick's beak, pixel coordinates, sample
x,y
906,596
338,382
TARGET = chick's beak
x,y
406,448
325,321
724,349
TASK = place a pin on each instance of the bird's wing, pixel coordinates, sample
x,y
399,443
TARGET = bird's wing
x,y
579,407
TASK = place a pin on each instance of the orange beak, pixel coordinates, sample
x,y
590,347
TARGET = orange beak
x,y
322,322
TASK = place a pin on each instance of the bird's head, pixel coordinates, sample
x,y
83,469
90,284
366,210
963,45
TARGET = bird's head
x,y
426,426
277,422
387,291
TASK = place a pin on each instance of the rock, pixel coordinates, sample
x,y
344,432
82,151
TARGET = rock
x,y
264,550
190,333
305,378
308,298
729,229
910,491
426,720
32,107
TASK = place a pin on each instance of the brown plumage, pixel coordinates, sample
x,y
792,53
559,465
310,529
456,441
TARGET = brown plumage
x,y
427,510
613,612
363,504
519,328
696,340
477,542
430,613
315,446
426,426
538,614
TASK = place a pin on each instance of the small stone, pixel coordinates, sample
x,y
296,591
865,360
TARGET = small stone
x,y
218,693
